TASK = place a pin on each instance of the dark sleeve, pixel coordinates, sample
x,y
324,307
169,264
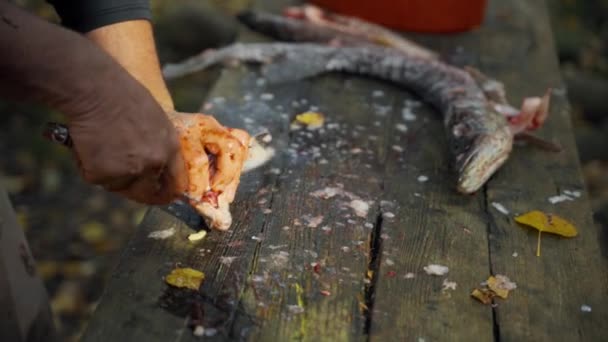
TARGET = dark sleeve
x,y
87,15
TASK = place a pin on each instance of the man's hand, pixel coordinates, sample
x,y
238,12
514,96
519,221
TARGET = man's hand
x,y
214,158
131,149
214,155
122,137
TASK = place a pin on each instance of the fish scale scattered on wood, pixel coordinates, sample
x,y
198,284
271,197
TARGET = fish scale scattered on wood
x,y
479,123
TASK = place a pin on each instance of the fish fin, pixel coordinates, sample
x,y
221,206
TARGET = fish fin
x,y
533,114
539,142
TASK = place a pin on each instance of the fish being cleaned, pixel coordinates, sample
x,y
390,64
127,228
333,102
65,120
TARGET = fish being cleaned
x,y
480,128
214,208
309,23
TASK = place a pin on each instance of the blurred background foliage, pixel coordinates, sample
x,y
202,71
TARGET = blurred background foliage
x,y
76,232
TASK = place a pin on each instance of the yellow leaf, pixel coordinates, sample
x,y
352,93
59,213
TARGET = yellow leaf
x,y
494,285
185,277
312,120
93,232
47,269
483,295
548,223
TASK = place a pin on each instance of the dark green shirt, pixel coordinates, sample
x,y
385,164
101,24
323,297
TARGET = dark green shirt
x,y
87,15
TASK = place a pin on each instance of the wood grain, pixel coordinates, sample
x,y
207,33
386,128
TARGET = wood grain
x,y
294,266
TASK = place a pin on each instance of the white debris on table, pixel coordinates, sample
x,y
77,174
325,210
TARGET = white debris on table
x,y
199,331
422,178
408,114
314,222
162,234
566,195
388,215
360,207
504,283
448,285
585,308
435,269
266,97
377,93
227,260
501,208
295,309
327,192
401,127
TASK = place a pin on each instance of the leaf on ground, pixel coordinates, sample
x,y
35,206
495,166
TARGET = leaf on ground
x,y
185,277
93,232
548,223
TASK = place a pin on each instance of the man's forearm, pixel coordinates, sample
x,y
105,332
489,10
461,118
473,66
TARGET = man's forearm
x,y
44,63
131,43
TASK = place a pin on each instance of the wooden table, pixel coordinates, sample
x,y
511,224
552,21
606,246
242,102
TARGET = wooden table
x,y
278,274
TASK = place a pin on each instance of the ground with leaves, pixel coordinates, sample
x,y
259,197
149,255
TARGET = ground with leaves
x,y
76,232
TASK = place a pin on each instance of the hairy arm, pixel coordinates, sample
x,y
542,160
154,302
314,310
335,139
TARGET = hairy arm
x,y
122,139
131,43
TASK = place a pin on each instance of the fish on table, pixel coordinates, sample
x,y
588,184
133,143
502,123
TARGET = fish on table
x,y
479,123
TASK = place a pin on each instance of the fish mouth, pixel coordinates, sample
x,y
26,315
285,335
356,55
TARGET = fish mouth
x,y
488,153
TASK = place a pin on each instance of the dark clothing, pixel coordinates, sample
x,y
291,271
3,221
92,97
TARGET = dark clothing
x,y
87,15
26,313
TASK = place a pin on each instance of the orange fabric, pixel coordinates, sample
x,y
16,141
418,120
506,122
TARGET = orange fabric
x,y
413,15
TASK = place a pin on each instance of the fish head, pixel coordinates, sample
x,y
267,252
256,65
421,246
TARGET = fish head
x,y
486,154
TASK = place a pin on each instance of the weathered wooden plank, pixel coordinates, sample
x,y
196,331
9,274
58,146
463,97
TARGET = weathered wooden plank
x,y
570,272
518,50
432,224
260,275
328,260
139,277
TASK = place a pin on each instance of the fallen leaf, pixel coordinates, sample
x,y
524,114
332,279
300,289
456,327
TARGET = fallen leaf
x,y
548,223
185,277
312,120
483,295
93,232
501,285
496,286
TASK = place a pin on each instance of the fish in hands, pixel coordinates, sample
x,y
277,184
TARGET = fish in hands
x,y
214,157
